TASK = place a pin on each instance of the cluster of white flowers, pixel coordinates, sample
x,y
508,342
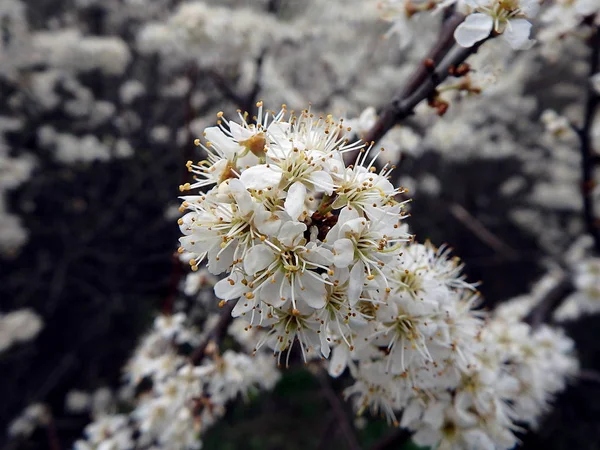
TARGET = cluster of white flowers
x,y
586,297
33,416
18,326
184,398
315,252
14,170
203,33
69,50
563,18
303,238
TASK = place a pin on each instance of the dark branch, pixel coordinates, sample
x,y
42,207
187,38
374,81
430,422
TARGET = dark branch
x,y
437,53
337,406
588,157
403,105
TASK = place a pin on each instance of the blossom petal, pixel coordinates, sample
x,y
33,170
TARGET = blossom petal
x,y
517,34
475,28
322,181
357,278
289,233
225,290
260,177
312,291
294,202
339,361
257,258
344,252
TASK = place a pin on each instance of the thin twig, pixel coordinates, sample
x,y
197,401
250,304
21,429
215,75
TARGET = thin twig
x,y
481,231
402,106
338,409
436,54
53,440
587,153
589,375
328,433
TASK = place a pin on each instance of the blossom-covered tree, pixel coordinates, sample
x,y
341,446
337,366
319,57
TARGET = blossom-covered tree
x,y
298,236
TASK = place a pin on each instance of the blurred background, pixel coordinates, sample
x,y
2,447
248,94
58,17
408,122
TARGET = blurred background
x,y
100,102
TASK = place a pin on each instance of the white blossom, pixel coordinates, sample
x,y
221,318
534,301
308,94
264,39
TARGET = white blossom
x,y
508,18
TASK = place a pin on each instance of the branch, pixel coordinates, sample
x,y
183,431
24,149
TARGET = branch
x,y
589,376
402,106
481,231
338,409
587,154
437,53
218,331
423,81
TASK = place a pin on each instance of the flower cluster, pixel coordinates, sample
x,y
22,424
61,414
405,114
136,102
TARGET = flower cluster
x,y
304,239
506,375
18,326
315,251
586,297
184,399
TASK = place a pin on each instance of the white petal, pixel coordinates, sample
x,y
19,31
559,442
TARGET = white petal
x,y
219,260
242,306
257,258
294,202
339,361
322,181
314,293
266,222
344,252
289,233
530,7
222,142
355,286
238,132
517,34
475,28
226,291
260,177
242,197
